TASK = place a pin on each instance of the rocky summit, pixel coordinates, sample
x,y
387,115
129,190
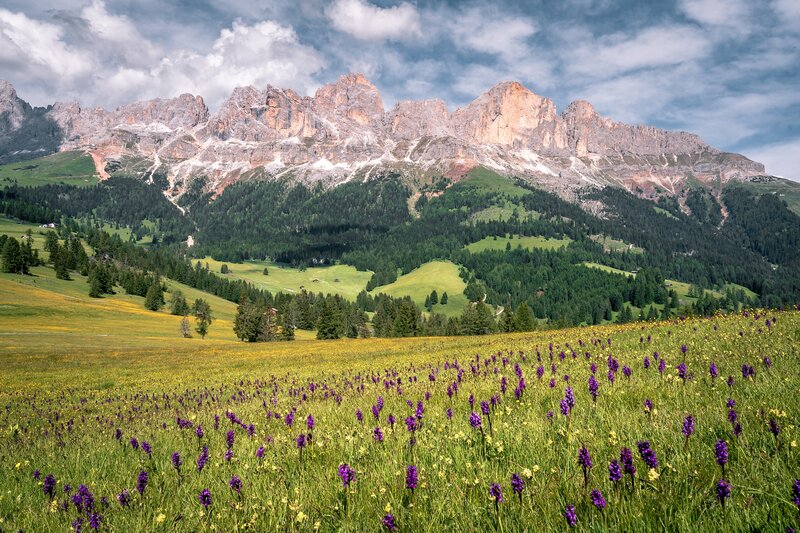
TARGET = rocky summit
x,y
343,133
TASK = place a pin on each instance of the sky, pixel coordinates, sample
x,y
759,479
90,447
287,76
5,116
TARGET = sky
x,y
728,70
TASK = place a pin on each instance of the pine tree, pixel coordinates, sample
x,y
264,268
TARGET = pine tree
x,y
154,299
247,323
12,256
99,281
524,321
407,322
58,256
202,316
177,304
507,322
428,305
329,323
434,297
443,300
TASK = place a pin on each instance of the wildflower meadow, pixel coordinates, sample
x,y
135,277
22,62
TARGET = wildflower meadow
x,y
679,425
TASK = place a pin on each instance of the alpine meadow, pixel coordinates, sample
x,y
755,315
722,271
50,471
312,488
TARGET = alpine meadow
x,y
243,288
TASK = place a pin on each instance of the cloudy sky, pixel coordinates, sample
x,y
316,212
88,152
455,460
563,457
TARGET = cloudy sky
x,y
728,70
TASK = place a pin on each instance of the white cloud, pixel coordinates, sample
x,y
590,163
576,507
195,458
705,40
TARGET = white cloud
x,y
35,51
118,35
782,159
484,30
653,47
789,12
115,64
367,22
723,16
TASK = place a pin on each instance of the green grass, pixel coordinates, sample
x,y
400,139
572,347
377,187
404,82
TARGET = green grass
x,y
503,212
337,279
615,245
43,311
529,243
787,190
17,228
94,389
73,168
664,212
441,276
486,180
680,287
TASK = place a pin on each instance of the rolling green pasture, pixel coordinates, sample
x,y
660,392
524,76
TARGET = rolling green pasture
x,y
441,276
336,279
529,243
72,168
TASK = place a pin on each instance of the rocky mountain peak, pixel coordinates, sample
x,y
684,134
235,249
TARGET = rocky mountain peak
x,y
343,133
12,108
353,97
412,119
511,114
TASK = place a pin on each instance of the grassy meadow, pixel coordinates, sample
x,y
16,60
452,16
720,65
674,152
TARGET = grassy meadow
x,y
82,412
336,279
528,243
71,168
441,276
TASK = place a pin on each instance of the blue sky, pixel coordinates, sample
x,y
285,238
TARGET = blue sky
x,y
728,70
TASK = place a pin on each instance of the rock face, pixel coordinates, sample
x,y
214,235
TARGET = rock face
x,y
343,133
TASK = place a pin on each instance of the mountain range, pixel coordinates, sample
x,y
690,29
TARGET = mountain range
x,y
343,133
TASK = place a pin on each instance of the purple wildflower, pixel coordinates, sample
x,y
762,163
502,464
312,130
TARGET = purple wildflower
x,y
124,498
647,453
377,434
723,491
614,471
517,484
176,461
570,516
228,455
411,477
205,498
230,438
496,492
388,522
626,458
134,443
569,396
359,415
774,428
721,453
301,441
713,370
594,388
202,458
49,486
475,420
347,474
236,484
598,500
146,448
796,492
141,482
688,427
585,461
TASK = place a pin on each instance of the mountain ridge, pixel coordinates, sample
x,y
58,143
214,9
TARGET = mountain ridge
x,y
343,133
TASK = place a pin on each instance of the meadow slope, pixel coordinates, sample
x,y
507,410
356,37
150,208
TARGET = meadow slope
x,y
381,406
